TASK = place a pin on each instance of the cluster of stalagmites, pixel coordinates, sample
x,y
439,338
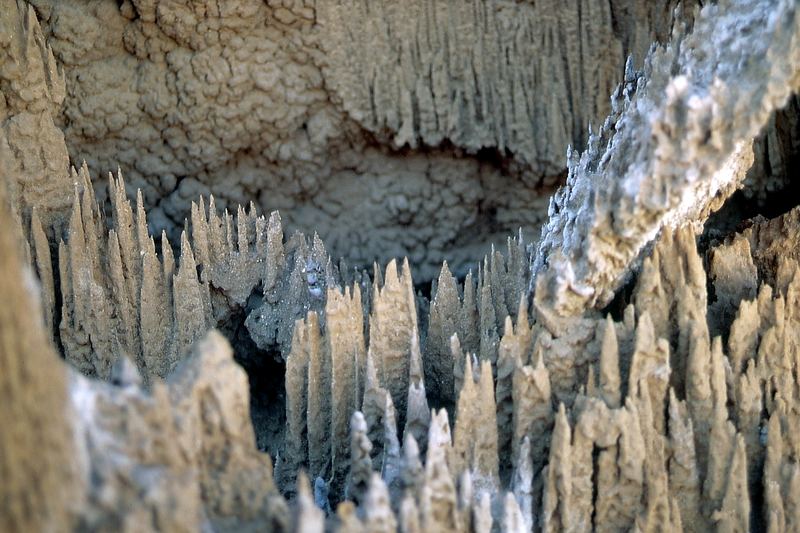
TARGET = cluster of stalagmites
x,y
479,410
468,417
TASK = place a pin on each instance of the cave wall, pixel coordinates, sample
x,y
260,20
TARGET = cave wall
x,y
429,130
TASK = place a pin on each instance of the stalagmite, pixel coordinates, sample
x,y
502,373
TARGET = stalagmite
x,y
37,444
445,318
684,476
360,459
296,380
523,484
651,363
307,516
533,414
556,504
392,323
344,344
318,422
418,414
378,515
608,374
438,499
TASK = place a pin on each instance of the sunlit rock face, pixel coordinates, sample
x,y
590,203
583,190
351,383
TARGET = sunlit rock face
x,y
636,367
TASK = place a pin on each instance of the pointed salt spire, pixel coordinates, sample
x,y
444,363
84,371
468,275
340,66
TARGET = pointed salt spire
x,y
698,391
392,324
417,410
439,443
514,346
153,325
216,234
533,412
344,344
482,514
190,321
260,225
721,445
412,473
609,365
557,484
485,426
296,385
651,364
523,326
200,237
92,233
684,476
390,469
377,276
391,276
469,332
513,520
360,459
458,363
734,511
378,515
128,241
443,324
489,338
78,262
318,400
308,518
242,236
85,180
44,269
228,232
126,312
465,420
522,484
142,234
438,506
409,515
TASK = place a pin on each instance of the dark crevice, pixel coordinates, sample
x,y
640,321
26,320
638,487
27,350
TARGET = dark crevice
x,y
771,187
265,371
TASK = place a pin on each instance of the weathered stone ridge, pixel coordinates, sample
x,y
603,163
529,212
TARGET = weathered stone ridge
x,y
678,143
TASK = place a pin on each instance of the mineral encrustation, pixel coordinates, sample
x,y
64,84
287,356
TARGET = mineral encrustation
x,y
176,355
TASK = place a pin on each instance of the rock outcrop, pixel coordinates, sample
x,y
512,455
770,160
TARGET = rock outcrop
x,y
677,144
